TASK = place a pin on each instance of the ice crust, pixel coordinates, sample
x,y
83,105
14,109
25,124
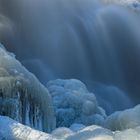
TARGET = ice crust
x,y
22,96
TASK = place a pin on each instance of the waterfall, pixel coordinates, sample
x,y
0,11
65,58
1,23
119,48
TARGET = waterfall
x,y
93,41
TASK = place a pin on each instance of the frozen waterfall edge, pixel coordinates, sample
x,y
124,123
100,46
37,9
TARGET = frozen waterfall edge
x,y
22,97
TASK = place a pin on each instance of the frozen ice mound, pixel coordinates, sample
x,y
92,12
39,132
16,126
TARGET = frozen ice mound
x,y
126,119
73,103
92,133
12,130
128,134
99,133
22,96
87,133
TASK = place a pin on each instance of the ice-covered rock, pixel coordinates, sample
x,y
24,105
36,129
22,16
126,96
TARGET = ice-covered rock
x,y
12,130
126,119
73,103
22,96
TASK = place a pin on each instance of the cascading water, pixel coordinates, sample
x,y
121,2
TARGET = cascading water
x,y
89,40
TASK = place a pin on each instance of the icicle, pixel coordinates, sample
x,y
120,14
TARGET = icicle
x,y
22,96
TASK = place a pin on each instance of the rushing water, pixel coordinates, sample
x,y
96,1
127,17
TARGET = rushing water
x,y
94,42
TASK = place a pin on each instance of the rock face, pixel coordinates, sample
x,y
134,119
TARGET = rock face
x,y
22,96
73,103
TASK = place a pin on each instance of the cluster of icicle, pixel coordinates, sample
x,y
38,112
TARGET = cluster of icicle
x,y
22,96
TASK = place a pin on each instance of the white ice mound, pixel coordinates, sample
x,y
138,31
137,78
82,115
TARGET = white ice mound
x,y
92,133
121,120
22,96
128,134
73,103
12,130
99,133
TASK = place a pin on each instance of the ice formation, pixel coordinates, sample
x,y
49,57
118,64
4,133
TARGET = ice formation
x,y
92,133
121,120
73,103
12,130
73,95
22,96
99,133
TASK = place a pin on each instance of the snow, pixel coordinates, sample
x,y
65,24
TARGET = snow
x,y
62,133
92,132
126,119
12,130
73,103
99,133
22,96
129,134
